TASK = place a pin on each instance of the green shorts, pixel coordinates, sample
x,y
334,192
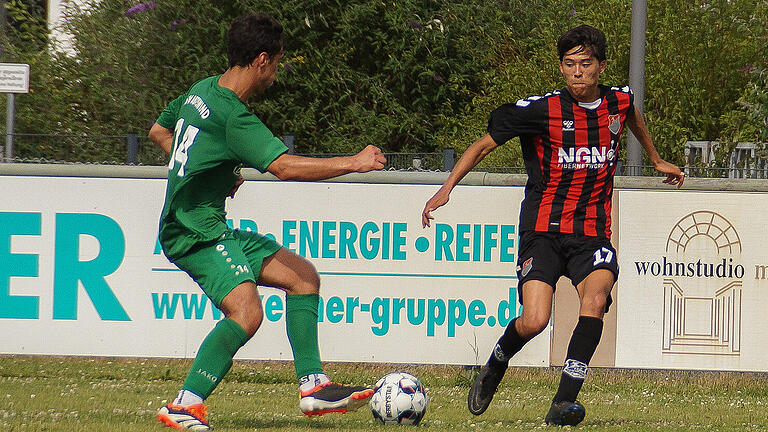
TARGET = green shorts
x,y
219,267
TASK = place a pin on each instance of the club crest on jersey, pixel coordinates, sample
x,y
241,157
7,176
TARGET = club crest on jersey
x,y
568,126
614,123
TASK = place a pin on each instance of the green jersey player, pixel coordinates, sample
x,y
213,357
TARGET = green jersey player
x,y
209,133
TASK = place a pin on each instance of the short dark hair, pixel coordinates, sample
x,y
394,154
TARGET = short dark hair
x,y
251,35
587,37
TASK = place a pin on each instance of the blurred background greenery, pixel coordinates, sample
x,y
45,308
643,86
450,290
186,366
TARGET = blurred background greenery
x,y
405,75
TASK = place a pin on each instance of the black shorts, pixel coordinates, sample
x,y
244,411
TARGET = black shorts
x,y
546,256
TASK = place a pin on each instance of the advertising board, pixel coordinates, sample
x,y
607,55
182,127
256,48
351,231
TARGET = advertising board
x,y
694,282
82,273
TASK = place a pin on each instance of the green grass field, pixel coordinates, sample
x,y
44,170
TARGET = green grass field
x,y
99,394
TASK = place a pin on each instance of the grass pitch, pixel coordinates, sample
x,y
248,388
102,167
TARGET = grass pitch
x,y
97,394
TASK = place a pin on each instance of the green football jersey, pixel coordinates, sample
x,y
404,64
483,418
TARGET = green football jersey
x,y
213,135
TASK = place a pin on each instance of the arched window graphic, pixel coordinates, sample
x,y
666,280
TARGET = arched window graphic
x,y
705,223
703,324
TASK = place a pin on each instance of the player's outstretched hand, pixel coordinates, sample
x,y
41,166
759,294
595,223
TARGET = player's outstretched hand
x,y
675,176
370,158
439,199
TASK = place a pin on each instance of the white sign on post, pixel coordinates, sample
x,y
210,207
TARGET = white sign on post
x,y
14,78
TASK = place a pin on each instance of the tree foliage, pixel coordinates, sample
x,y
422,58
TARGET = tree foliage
x,y
703,67
747,120
695,56
755,101
379,72
355,73
407,75
26,25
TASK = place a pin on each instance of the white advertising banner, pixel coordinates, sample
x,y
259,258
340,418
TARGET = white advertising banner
x,y
694,280
81,272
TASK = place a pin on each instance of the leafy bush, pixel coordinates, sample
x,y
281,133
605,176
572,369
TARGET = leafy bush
x,y
355,73
378,72
407,75
26,25
695,52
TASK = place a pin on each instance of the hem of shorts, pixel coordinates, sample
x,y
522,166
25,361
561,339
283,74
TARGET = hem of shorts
x,y
251,278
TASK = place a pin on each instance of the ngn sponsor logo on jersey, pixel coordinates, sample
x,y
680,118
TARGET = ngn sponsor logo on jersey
x,y
585,157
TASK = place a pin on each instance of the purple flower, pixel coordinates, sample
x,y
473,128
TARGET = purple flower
x,y
746,69
141,7
415,24
573,12
176,23
287,67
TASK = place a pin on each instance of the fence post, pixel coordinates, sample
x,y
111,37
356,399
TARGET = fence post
x,y
133,149
9,125
449,158
290,141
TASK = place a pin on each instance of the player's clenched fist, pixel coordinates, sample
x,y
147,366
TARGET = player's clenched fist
x,y
370,158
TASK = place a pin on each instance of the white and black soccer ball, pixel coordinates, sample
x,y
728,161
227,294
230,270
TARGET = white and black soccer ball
x,y
399,398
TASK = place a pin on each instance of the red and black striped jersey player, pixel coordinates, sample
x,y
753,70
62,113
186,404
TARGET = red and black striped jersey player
x,y
570,144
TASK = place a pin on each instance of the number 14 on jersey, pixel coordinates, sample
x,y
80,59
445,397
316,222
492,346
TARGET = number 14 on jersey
x,y
181,145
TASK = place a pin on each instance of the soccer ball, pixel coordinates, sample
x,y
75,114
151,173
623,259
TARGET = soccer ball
x,y
399,398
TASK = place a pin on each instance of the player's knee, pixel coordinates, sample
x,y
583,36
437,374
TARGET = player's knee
x,y
308,281
313,281
594,305
249,315
309,285
249,319
533,324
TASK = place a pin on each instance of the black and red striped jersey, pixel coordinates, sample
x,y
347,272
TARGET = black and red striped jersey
x,y
570,152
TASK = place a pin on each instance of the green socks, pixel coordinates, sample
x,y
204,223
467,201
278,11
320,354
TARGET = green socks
x,y
214,358
301,325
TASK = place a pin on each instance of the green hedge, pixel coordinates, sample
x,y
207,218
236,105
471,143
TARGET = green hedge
x,y
407,75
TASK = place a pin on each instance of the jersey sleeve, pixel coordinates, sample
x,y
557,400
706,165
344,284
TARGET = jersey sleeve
x,y
512,120
170,114
252,142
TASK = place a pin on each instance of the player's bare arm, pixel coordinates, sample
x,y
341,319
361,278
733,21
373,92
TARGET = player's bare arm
x,y
471,157
675,175
292,167
162,137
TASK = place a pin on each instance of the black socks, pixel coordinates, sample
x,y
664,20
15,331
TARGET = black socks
x,y
508,345
581,348
583,344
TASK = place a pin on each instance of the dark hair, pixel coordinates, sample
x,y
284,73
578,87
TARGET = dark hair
x,y
587,37
251,35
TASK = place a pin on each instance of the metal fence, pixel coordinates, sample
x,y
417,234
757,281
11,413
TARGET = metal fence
x,y
406,161
128,149
745,171
745,160
133,149
650,171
